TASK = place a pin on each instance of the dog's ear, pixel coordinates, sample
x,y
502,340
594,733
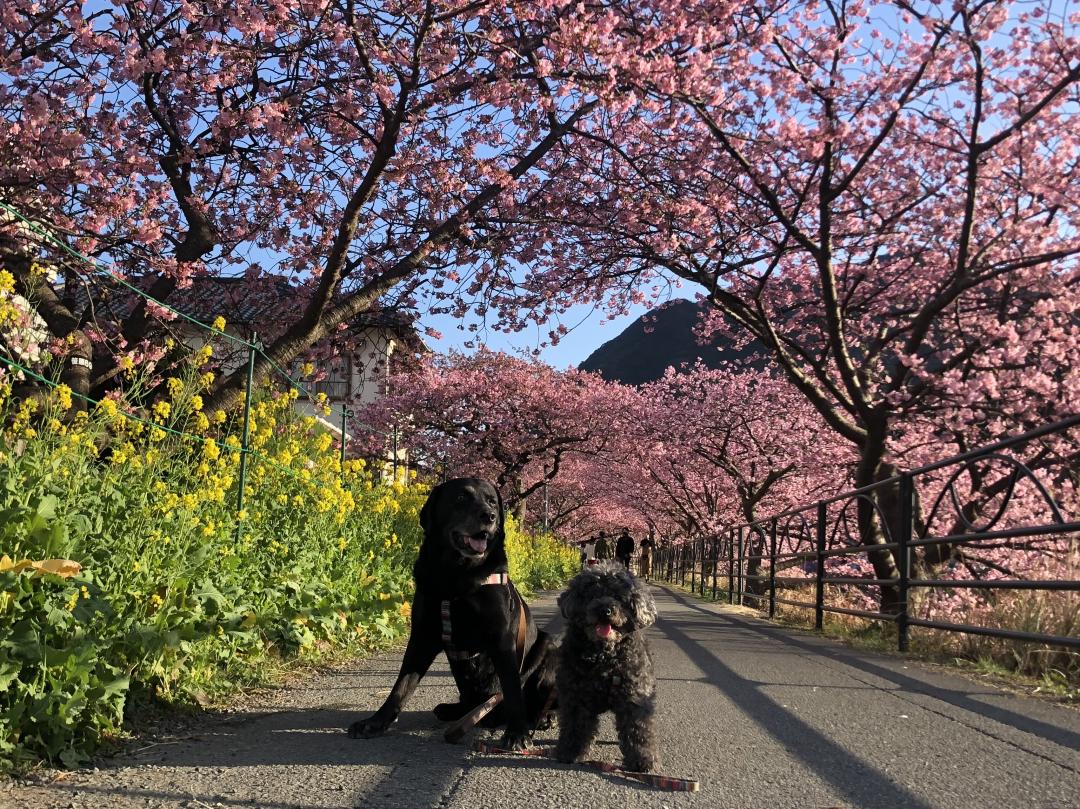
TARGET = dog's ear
x,y
562,601
427,513
642,607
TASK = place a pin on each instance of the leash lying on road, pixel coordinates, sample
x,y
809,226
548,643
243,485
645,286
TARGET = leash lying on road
x,y
652,779
454,733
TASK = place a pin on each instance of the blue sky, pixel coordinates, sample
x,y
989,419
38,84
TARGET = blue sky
x,y
588,325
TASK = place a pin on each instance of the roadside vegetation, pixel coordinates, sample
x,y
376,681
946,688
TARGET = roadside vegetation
x,y
128,576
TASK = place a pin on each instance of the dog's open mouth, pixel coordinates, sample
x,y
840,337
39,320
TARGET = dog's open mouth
x,y
473,544
604,631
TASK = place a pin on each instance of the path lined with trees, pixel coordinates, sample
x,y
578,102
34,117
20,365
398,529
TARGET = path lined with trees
x,y
879,200
765,717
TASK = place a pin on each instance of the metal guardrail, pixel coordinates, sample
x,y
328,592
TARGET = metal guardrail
x,y
748,564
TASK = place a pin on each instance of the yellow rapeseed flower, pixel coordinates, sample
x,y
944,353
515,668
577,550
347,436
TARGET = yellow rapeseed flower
x,y
175,386
219,323
108,407
7,282
196,402
162,410
63,397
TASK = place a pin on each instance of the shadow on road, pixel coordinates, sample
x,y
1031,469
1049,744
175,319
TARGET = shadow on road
x,y
859,782
961,695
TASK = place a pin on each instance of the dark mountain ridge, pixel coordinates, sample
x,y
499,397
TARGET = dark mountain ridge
x,y
657,340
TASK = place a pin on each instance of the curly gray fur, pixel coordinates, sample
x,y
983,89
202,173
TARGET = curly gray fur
x,y
605,665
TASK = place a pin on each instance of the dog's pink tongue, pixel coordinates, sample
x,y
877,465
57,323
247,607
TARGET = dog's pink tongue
x,y
604,630
478,544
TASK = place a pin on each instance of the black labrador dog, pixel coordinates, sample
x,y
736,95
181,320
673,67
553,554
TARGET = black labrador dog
x,y
465,604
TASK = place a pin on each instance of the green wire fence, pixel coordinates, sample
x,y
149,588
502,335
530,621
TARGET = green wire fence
x,y
253,347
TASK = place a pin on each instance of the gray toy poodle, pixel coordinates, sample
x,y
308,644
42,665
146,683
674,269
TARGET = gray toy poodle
x,y
604,665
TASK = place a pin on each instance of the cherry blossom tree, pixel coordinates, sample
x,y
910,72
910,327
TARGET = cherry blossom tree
x,y
884,196
707,450
515,421
342,145
697,453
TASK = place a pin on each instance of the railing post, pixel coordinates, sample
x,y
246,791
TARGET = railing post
x,y
703,557
772,570
244,449
344,426
740,579
395,451
819,598
903,554
731,566
715,562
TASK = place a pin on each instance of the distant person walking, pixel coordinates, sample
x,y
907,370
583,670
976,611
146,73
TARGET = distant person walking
x,y
645,557
624,548
605,548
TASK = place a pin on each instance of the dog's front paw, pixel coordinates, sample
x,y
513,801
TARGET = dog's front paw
x,y
370,727
450,711
514,740
641,762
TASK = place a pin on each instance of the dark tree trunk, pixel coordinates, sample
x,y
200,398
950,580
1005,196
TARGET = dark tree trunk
x,y
872,524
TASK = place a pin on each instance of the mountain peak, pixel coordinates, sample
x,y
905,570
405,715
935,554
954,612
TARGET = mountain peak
x,y
660,338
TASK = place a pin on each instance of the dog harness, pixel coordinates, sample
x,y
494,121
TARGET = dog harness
x,y
459,728
453,653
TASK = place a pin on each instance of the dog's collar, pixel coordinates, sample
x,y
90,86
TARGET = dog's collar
x,y
497,578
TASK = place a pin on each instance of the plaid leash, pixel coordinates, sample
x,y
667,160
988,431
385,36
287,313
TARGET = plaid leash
x,y
664,782
459,728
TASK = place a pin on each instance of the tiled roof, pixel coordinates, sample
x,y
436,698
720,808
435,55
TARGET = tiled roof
x,y
242,302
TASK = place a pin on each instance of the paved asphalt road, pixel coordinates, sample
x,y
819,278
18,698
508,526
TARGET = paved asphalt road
x,y
764,717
